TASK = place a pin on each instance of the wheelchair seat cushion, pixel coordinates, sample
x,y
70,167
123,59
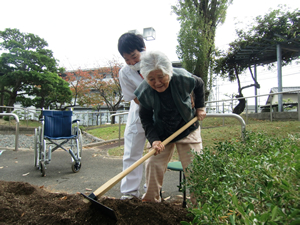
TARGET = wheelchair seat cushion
x,y
58,138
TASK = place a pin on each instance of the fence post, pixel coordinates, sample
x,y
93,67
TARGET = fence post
x,y
119,131
17,136
223,113
271,117
246,111
298,106
17,127
88,119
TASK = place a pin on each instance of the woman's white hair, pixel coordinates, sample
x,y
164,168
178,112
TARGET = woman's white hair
x,y
155,60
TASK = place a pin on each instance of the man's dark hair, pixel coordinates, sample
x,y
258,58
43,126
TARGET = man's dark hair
x,y
129,42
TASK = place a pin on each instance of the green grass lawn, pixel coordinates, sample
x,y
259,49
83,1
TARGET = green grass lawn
x,y
212,131
22,123
107,132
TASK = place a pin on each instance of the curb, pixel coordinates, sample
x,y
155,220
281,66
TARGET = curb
x,y
98,142
91,136
83,146
13,149
101,143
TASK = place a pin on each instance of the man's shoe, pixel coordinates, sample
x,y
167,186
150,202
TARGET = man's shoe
x,y
126,197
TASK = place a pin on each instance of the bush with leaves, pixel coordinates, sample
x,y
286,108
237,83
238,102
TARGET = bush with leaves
x,y
251,182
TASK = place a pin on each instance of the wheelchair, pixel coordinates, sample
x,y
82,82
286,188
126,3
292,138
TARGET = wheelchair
x,y
57,129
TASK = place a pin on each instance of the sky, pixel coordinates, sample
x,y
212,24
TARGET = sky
x,y
84,34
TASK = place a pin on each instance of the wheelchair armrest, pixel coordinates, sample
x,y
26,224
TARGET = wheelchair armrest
x,y
74,121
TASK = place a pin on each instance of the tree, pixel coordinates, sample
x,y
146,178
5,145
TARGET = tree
x,y
52,92
92,99
106,82
97,87
76,80
26,63
261,38
199,20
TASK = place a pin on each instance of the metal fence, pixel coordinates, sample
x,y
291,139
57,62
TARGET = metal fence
x,y
93,118
220,106
86,117
17,127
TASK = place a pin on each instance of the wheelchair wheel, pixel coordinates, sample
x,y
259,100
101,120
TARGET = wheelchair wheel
x,y
74,143
37,146
80,144
76,167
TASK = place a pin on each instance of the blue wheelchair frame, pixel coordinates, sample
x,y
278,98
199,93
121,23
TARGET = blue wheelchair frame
x,y
56,131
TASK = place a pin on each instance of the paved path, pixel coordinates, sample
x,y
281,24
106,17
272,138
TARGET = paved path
x,y
96,170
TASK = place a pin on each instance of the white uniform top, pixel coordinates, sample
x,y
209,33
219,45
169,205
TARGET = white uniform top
x,y
129,81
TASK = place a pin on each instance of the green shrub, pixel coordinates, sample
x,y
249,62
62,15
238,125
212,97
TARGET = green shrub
x,y
6,118
251,182
19,113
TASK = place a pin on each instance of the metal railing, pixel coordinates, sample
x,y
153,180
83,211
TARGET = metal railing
x,y
26,115
238,117
87,117
255,96
17,127
119,114
90,120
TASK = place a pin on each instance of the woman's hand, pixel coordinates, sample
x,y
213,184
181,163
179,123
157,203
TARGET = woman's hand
x,y
201,113
158,146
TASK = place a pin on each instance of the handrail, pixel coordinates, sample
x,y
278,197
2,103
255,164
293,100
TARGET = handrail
x,y
218,101
238,117
119,114
17,127
226,100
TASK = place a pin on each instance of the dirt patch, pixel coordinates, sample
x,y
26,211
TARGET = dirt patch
x,y
22,203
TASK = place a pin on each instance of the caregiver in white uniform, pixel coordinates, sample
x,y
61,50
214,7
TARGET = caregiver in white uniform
x,y
130,46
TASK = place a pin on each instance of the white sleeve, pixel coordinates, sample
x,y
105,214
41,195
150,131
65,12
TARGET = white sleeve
x,y
127,86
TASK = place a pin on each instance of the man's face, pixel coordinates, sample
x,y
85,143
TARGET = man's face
x,y
132,58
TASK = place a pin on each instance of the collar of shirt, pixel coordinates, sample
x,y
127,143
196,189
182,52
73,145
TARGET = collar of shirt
x,y
140,74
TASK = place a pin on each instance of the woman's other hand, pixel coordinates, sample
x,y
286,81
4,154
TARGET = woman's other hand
x,y
158,146
201,113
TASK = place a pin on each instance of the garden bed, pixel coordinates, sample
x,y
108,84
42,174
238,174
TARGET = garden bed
x,y
22,203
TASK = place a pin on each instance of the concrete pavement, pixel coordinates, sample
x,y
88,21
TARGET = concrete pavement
x,y
96,170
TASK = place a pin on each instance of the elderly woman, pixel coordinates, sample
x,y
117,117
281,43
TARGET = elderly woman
x,y
166,104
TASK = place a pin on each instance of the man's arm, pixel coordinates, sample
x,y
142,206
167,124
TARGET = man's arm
x,y
127,85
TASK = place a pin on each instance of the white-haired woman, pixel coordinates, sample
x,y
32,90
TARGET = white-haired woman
x,y
165,106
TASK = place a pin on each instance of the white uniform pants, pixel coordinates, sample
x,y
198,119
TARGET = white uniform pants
x,y
134,143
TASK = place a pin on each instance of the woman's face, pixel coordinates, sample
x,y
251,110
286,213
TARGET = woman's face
x,y
158,81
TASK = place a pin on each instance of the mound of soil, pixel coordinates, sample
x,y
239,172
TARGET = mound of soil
x,y
22,203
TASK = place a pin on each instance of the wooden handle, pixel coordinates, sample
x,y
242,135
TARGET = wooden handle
x,y
113,181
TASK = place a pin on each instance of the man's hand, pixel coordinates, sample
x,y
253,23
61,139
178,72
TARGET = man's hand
x,y
158,146
136,101
201,113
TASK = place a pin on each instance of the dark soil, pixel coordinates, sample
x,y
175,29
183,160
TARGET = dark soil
x,y
22,203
